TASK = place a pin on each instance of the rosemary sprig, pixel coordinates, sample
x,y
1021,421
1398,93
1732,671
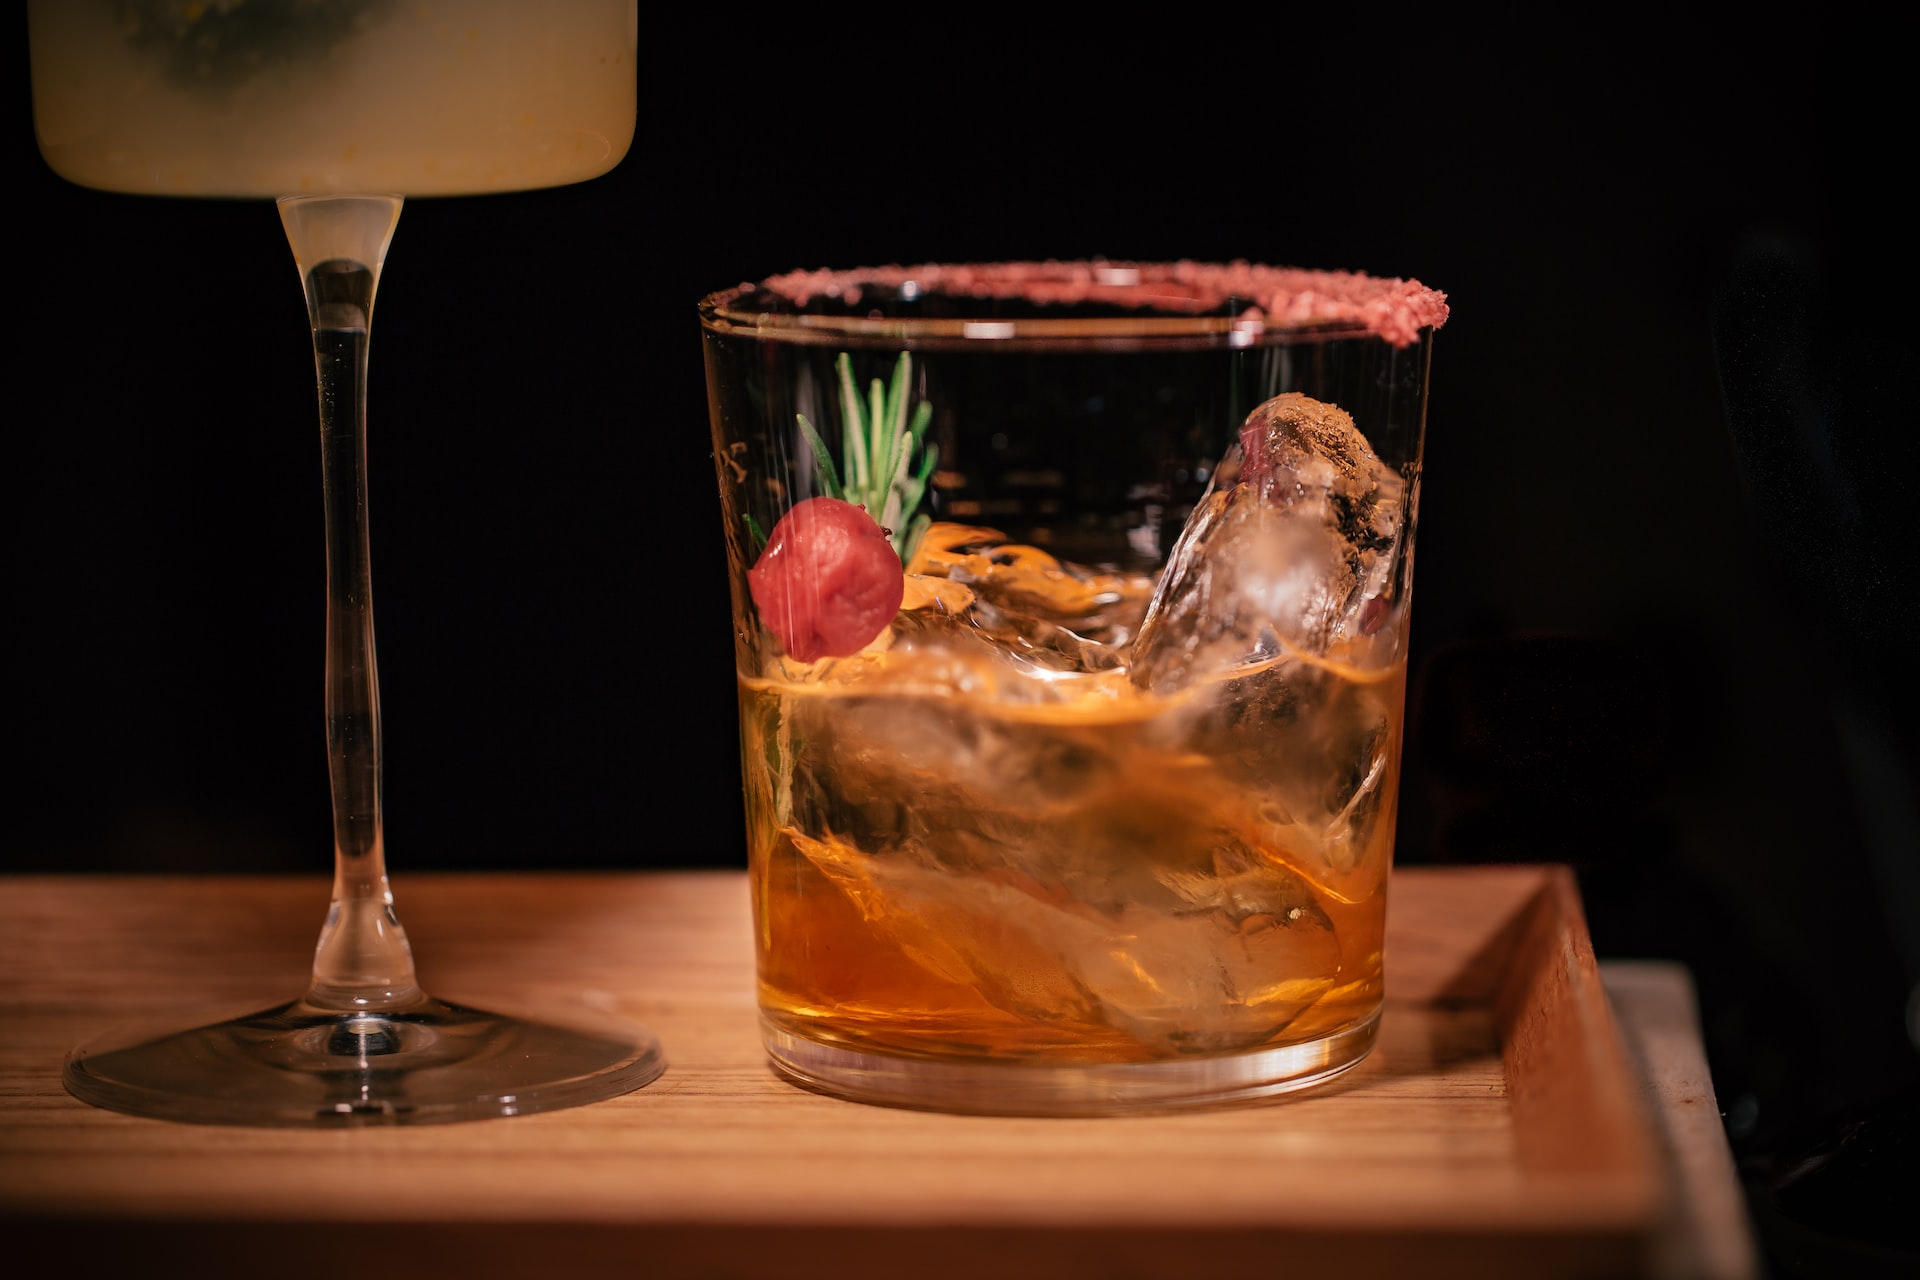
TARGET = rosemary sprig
x,y
877,445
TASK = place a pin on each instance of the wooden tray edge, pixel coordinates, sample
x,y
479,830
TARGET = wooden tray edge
x,y
1570,1082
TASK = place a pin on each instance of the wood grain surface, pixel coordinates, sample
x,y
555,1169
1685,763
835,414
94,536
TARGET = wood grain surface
x,y
1502,1125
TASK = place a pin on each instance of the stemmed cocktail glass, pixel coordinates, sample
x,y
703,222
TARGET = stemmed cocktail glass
x,y
340,111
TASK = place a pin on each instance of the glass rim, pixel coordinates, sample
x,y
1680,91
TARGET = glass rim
x,y
1212,331
1180,304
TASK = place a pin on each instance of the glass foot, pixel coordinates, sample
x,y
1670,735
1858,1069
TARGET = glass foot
x,y
301,1066
982,1087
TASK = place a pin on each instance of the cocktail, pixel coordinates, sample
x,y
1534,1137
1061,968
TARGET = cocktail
x,y
339,112
1071,606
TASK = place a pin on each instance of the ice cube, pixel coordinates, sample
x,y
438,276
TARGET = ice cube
x,y
1026,602
1308,752
1222,961
941,779
1290,548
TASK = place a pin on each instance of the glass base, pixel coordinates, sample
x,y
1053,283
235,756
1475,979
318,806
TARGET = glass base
x,y
300,1066
980,1087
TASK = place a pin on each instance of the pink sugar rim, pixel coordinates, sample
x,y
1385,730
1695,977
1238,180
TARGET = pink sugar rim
x,y
1286,297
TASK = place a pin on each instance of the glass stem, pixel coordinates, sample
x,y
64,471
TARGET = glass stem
x,y
362,961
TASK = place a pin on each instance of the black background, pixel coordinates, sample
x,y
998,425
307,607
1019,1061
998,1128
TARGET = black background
x,y
1665,623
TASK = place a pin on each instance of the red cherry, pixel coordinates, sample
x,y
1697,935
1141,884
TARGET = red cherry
x,y
828,581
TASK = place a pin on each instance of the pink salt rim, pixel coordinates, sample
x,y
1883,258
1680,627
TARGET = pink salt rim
x,y
1284,297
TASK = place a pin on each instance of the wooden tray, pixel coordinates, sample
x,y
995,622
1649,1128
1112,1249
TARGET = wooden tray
x,y
1498,1129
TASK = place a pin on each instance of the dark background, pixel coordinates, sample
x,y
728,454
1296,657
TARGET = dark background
x,y
1665,629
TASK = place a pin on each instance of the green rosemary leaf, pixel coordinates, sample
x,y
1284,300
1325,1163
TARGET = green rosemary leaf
x,y
853,428
880,437
895,470
908,489
829,477
902,496
897,399
880,448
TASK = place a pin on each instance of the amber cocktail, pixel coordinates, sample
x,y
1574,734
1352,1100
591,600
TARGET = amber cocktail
x,y
1071,607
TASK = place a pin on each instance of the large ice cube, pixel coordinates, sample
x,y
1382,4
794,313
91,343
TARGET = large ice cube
x,y
1292,547
1224,960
